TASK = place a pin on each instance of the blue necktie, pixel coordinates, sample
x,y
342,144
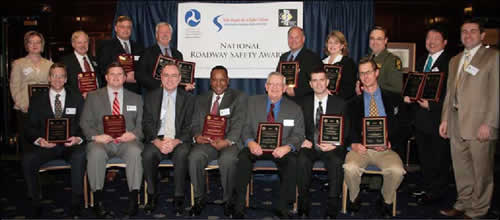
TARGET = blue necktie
x,y
429,65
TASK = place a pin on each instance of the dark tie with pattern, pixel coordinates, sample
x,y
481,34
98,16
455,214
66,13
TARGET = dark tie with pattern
x,y
215,106
270,114
86,65
125,46
319,112
58,107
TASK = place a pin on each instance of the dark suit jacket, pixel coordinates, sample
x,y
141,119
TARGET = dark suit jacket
x,y
349,77
335,105
108,52
146,65
308,61
183,114
428,120
73,68
391,100
234,100
289,110
40,110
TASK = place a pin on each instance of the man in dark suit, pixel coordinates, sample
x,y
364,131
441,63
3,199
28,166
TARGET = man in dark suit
x,y
272,107
433,150
308,60
110,49
79,61
147,62
167,128
58,103
313,106
231,104
380,103
113,100
470,120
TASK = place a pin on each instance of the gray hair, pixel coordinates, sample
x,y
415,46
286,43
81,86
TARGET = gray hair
x,y
276,74
161,24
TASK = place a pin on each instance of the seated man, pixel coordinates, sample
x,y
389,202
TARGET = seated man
x,y
374,101
113,100
167,129
58,103
272,107
313,106
231,104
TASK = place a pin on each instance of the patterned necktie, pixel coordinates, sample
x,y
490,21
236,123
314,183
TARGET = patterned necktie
x,y
215,106
125,46
291,57
461,74
116,105
428,66
270,114
58,107
86,65
170,121
319,112
373,111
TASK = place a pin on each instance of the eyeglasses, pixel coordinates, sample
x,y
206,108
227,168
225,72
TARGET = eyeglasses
x,y
170,75
365,73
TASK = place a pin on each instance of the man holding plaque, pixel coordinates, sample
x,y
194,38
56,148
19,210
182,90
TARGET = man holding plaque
x,y
167,128
319,147
269,109
122,49
307,60
59,105
470,120
230,105
80,62
101,107
147,62
433,150
374,102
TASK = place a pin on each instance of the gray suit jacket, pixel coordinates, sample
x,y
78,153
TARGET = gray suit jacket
x,y
97,105
233,100
256,113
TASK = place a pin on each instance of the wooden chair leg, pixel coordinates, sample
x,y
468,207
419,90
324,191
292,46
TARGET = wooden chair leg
x,y
91,198
145,192
247,199
394,204
344,198
192,195
85,191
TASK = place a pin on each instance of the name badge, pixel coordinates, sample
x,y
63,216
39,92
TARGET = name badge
x,y
224,112
27,71
71,111
435,69
136,58
288,122
472,70
131,108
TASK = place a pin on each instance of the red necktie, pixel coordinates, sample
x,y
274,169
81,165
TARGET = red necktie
x,y
270,114
116,105
215,106
86,65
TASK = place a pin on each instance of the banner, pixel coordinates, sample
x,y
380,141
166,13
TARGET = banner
x,y
247,39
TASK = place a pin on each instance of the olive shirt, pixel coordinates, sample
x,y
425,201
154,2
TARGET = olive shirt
x,y
391,76
24,73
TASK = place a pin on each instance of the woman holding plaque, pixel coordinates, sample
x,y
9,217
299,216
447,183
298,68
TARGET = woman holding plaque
x,y
31,69
337,51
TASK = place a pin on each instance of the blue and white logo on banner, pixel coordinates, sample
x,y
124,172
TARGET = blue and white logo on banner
x,y
192,17
217,23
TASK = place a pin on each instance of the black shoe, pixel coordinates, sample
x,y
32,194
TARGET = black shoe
x,y
179,206
417,193
76,209
228,209
427,199
330,214
303,207
355,206
199,205
282,213
385,209
333,208
132,203
100,212
238,215
303,213
151,206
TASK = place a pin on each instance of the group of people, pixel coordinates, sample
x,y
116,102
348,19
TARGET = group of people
x,y
164,120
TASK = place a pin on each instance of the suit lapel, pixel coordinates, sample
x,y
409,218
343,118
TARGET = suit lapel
x,y
389,111
105,101
309,108
478,57
179,103
226,100
119,47
51,112
76,63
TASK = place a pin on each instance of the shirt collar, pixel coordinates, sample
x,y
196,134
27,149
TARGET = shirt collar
x,y
474,50
166,93
80,57
436,55
53,93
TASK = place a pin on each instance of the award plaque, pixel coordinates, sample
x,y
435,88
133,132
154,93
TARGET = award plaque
x,y
127,62
57,130
334,74
331,129
269,136
214,127
375,132
161,62
38,89
433,85
114,125
87,82
290,71
413,86
186,70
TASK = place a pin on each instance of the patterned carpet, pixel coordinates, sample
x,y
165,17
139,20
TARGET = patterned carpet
x,y
56,193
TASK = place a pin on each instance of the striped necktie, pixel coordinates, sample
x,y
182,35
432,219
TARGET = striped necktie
x,y
116,105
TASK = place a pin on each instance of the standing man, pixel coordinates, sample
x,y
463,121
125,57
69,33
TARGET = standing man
x,y
113,100
167,127
110,50
313,106
231,104
79,61
433,150
272,107
470,120
377,102
147,61
308,60
58,103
